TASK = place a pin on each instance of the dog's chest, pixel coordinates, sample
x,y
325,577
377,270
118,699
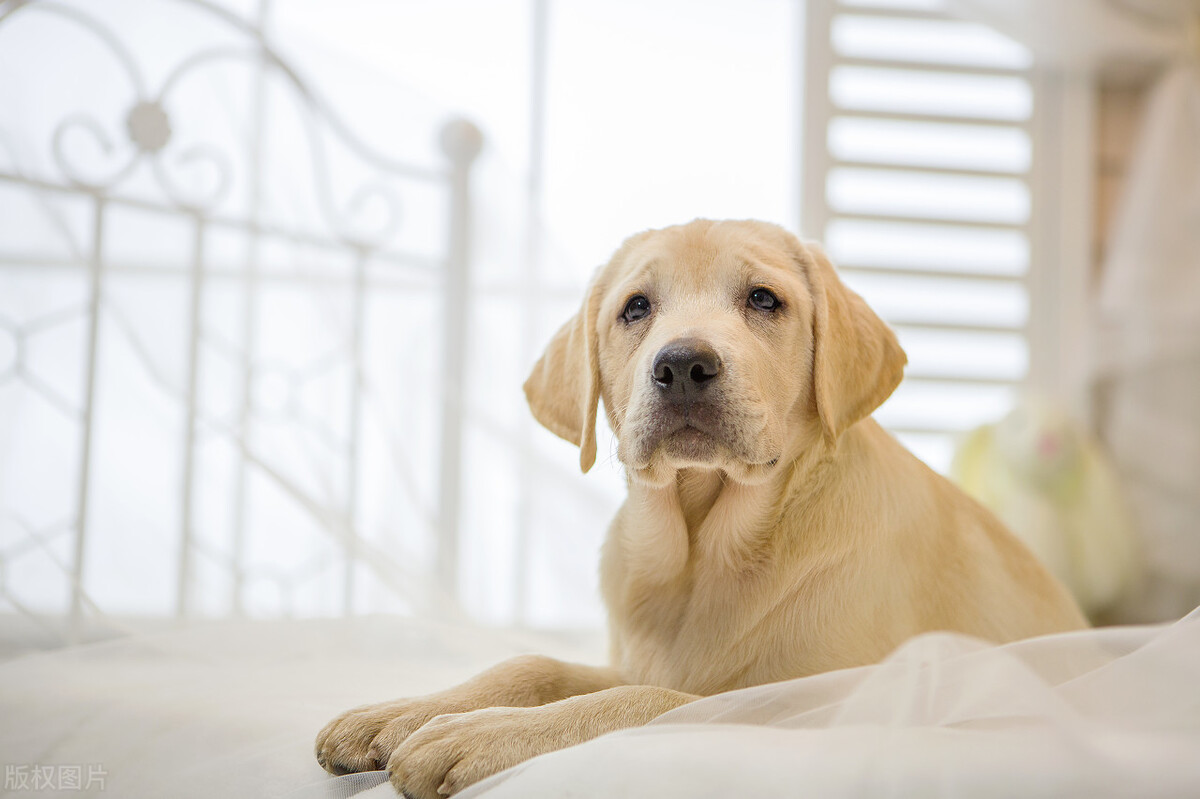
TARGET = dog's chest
x,y
682,611
680,640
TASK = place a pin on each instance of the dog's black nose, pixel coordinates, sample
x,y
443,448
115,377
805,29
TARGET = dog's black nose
x,y
684,367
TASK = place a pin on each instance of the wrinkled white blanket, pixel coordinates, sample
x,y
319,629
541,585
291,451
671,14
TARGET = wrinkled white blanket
x,y
230,710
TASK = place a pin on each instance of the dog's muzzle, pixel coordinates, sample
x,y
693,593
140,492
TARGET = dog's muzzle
x,y
690,418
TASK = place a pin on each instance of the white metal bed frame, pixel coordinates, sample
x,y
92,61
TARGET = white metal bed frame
x,y
148,134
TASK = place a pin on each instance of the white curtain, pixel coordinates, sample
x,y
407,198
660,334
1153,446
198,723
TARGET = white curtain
x,y
1148,345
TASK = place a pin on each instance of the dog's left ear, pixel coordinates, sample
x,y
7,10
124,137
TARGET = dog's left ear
x,y
857,361
564,388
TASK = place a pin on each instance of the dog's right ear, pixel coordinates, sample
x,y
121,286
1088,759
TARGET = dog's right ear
x,y
564,388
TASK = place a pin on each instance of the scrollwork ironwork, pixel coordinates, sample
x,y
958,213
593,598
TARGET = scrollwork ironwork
x,y
147,148
149,134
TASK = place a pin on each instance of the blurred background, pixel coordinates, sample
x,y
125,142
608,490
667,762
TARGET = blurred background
x,y
272,274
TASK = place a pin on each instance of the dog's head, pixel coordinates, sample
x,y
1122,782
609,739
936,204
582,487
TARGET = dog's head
x,y
718,345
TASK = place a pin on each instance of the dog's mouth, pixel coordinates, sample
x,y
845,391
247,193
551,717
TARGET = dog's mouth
x,y
708,434
671,442
691,443
697,436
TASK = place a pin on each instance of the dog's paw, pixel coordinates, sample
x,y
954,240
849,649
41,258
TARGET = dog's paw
x,y
362,739
454,751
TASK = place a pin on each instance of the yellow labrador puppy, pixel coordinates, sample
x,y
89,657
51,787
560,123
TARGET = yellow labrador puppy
x,y
772,529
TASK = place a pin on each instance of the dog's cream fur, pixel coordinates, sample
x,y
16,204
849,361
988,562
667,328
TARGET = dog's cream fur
x,y
782,535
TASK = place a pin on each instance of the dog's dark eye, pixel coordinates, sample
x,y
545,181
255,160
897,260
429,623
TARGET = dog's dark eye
x,y
637,308
763,300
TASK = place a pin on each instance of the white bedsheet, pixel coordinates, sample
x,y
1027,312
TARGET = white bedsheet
x,y
230,710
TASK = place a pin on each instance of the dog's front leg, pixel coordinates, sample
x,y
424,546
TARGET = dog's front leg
x,y
362,739
454,751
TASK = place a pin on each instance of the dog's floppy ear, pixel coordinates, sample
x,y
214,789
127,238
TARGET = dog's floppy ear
x,y
564,388
857,361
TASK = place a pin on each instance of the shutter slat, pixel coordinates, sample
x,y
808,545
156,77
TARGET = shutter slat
x,y
891,166
885,115
986,224
887,271
939,67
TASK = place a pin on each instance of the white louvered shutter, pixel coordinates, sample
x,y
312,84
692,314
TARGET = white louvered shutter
x,y
918,157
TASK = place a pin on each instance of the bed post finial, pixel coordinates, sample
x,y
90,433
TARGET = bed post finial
x,y
461,141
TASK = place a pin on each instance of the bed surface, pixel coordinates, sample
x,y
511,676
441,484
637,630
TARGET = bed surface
x,y
231,710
